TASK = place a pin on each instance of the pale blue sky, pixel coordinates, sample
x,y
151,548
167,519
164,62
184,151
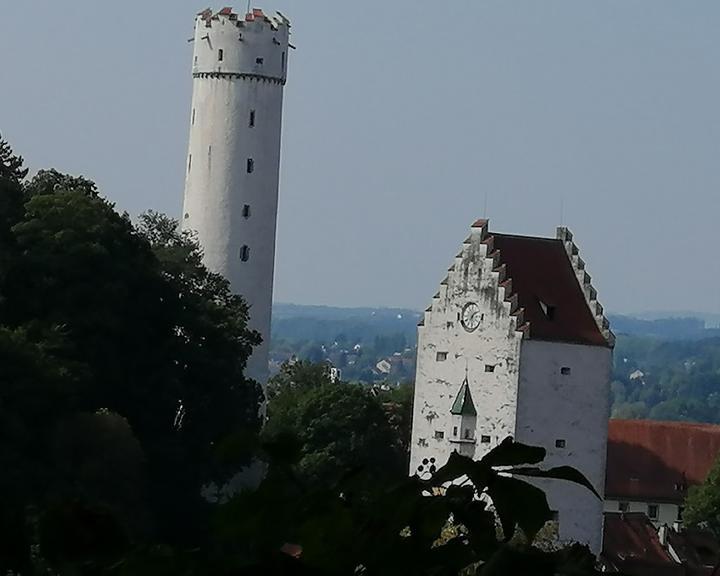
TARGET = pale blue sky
x,y
400,117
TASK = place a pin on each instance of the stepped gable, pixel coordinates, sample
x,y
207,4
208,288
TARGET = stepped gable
x,y
547,289
658,461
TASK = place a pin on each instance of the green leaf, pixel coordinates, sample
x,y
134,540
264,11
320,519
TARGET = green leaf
x,y
518,503
560,473
511,453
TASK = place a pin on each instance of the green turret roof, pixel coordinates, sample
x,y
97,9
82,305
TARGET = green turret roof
x,y
463,405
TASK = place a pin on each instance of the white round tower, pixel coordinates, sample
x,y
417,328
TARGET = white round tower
x,y
233,162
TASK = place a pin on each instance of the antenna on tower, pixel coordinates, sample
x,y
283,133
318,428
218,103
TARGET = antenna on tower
x,y
485,202
562,210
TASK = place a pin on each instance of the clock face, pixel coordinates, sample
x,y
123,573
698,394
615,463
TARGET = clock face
x,y
471,316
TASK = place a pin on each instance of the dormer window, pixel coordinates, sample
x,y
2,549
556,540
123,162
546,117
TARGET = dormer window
x,y
548,310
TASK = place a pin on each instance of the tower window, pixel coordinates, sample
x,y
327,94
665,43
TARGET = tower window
x,y
468,434
250,165
220,55
283,60
441,356
623,506
192,122
439,434
489,367
259,61
455,431
560,443
189,162
187,215
652,511
246,211
485,439
245,253
252,118
565,371
195,61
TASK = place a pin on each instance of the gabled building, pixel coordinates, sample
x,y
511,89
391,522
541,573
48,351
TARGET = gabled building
x,y
515,344
651,465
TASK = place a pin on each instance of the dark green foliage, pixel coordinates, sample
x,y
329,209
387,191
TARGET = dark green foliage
x,y
702,507
339,426
121,374
401,528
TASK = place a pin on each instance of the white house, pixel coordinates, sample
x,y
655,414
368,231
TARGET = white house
x,y
515,343
651,465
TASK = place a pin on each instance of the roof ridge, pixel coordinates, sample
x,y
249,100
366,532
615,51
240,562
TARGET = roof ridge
x,y
585,280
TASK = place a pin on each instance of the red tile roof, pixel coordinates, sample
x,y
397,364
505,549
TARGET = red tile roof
x,y
632,546
656,461
543,276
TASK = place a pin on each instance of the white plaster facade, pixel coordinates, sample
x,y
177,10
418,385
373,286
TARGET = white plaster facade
x,y
535,390
233,162
668,514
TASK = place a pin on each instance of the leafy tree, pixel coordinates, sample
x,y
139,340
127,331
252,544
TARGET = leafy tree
x,y
439,525
339,426
116,346
702,507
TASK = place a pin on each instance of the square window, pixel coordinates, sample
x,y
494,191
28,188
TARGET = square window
x,y
485,439
560,443
652,511
259,61
565,371
441,356
489,367
439,434
623,506
250,165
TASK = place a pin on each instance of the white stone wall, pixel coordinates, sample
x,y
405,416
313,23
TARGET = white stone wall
x,y
667,513
573,408
494,343
229,207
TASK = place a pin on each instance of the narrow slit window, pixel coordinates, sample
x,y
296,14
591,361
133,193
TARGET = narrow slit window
x,y
565,371
559,443
189,162
195,61
283,60
193,118
489,367
246,211
252,118
250,165
220,55
441,356
245,253
455,431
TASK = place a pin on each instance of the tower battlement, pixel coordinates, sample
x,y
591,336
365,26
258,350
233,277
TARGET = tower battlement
x,y
230,45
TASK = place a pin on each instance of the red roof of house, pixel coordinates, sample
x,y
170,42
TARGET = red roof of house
x,y
632,546
548,289
657,461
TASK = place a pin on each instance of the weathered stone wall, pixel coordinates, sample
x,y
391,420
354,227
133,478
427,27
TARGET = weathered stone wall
x,y
563,398
489,355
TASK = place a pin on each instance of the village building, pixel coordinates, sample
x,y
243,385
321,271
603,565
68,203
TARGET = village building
x,y
515,344
651,465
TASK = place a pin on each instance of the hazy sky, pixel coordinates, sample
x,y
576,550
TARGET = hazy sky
x,y
401,118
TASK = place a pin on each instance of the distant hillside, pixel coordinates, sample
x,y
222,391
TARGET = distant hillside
x,y
680,328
